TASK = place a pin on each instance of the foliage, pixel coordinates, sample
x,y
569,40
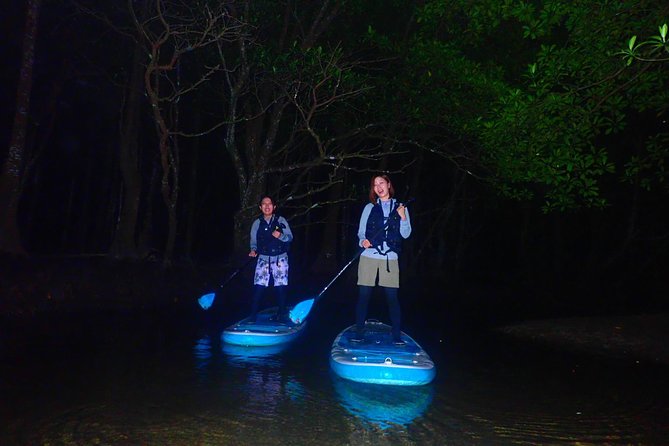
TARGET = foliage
x,y
560,127
650,167
647,50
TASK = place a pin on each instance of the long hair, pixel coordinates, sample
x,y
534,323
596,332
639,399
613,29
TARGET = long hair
x,y
372,194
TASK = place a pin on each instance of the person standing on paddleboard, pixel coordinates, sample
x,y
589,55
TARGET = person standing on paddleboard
x,y
270,239
383,224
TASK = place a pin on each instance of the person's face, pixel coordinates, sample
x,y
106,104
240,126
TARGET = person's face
x,y
267,207
381,188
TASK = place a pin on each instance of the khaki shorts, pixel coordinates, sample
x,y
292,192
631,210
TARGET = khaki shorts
x,y
369,268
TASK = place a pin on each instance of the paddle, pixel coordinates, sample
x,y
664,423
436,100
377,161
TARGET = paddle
x,y
300,311
207,300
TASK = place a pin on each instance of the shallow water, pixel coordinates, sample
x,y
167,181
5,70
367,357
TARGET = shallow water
x,y
165,378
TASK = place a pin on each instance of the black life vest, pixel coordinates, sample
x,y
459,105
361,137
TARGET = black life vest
x,y
268,244
377,232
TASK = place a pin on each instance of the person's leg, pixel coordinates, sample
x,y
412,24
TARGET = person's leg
x,y
260,282
389,279
280,268
281,293
394,311
258,291
367,274
364,294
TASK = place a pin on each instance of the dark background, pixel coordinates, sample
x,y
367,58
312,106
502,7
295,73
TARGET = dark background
x,y
489,251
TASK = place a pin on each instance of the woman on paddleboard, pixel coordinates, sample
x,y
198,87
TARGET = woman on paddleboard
x,y
384,223
270,239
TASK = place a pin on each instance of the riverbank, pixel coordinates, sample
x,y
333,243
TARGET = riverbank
x,y
42,285
643,337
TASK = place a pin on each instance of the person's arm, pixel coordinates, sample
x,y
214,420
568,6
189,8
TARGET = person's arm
x,y
362,227
287,235
253,241
405,225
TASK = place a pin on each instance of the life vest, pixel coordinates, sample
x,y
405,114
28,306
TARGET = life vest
x,y
376,223
268,244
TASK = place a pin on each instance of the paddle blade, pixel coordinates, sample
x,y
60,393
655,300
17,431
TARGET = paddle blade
x,y
206,301
300,311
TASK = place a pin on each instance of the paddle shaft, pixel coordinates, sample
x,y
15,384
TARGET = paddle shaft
x,y
337,276
207,300
237,271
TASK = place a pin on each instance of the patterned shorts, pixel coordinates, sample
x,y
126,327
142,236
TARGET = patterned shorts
x,y
277,265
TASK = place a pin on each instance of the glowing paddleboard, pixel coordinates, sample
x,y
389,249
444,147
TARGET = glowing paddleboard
x,y
265,331
377,360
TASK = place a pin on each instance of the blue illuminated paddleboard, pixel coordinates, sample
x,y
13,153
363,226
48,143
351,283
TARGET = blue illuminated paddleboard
x,y
265,331
377,360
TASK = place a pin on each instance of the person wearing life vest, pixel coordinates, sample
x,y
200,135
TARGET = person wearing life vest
x,y
384,223
270,240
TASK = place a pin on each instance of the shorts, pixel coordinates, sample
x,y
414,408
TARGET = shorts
x,y
278,265
369,269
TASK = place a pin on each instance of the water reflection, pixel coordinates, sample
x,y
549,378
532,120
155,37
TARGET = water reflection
x,y
383,406
266,356
202,352
266,384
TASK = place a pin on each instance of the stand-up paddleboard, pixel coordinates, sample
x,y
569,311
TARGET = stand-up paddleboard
x,y
264,331
377,360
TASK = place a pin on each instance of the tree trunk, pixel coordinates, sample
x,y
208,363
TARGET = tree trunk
x,y
10,179
558,250
68,219
526,262
192,206
169,158
107,214
146,236
172,188
86,220
30,178
170,243
125,238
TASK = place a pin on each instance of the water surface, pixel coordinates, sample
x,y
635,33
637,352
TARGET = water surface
x,y
165,378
